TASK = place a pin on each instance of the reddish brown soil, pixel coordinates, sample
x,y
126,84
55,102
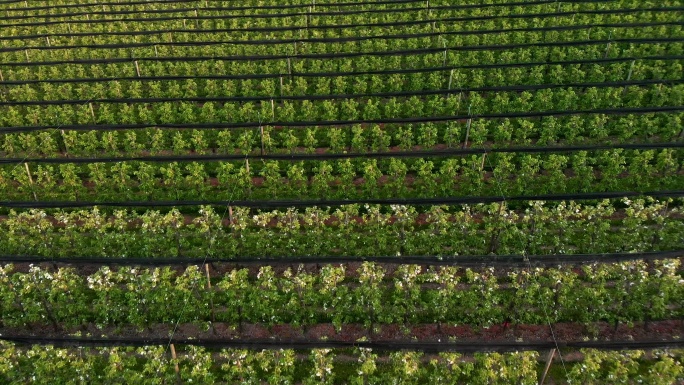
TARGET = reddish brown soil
x,y
564,332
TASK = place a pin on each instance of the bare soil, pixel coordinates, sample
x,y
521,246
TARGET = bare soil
x,y
563,332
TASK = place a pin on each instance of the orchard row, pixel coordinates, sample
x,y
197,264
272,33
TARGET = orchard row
x,y
624,292
352,230
268,112
583,129
206,19
474,175
44,365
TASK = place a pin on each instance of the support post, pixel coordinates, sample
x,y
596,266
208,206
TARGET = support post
x,y
629,75
549,359
211,300
465,144
66,148
175,364
451,77
137,68
28,172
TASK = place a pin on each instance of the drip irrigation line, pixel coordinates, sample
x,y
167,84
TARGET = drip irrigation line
x,y
463,347
287,6
344,39
328,123
271,16
487,47
337,74
472,261
514,88
350,155
341,202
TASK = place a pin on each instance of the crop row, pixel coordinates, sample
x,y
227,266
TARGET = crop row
x,y
371,108
301,19
624,292
152,364
480,133
102,10
655,45
474,175
334,87
311,12
397,230
506,60
622,23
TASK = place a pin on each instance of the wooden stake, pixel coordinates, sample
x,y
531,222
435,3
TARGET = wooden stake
x,y
631,69
176,368
610,36
92,112
184,26
629,76
137,68
156,54
451,77
484,156
465,144
69,27
2,79
66,148
549,359
28,172
261,129
281,84
211,300
273,109
289,66
27,56
249,188
47,38
230,214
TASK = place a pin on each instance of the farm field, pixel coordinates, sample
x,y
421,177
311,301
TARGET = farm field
x,y
341,192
